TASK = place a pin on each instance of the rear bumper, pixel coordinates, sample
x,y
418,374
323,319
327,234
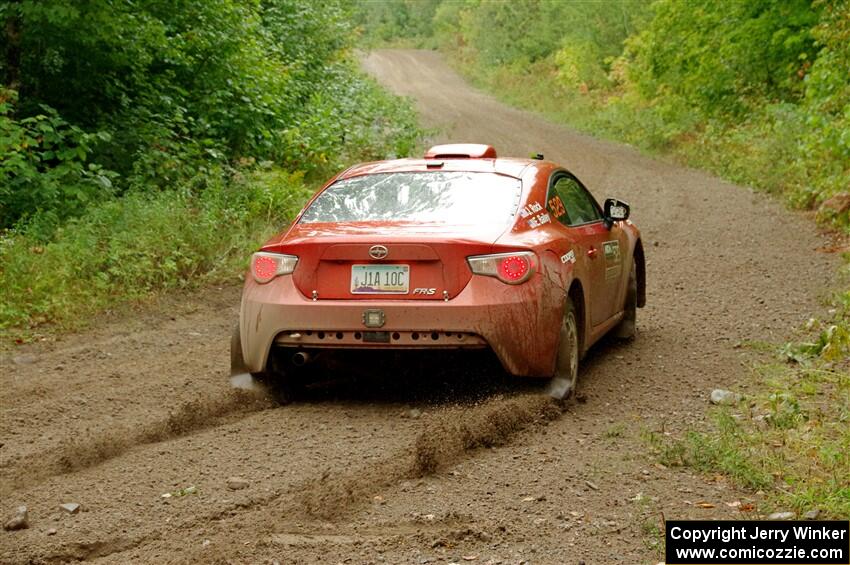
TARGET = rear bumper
x,y
511,320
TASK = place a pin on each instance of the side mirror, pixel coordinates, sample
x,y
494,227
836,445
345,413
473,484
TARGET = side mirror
x,y
615,210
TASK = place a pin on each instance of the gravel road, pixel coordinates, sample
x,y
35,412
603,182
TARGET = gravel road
x,y
444,461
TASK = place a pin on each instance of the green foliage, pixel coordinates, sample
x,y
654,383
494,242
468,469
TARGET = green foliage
x,y
830,338
724,55
724,452
376,126
784,410
799,462
768,82
149,145
43,166
396,20
793,439
578,65
833,343
522,32
183,87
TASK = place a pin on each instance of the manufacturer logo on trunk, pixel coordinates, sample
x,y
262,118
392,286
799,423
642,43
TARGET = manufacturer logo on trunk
x,y
378,252
426,291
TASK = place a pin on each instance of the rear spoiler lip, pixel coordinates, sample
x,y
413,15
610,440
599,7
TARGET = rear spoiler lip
x,y
461,151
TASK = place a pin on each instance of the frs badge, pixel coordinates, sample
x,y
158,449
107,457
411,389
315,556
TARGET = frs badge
x,y
425,291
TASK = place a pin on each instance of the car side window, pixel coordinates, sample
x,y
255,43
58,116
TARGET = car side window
x,y
571,204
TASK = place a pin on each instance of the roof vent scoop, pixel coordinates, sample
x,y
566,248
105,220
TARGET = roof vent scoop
x,y
461,151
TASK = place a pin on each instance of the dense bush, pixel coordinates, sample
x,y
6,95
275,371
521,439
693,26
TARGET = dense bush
x,y
766,84
724,57
178,86
404,21
43,165
141,142
123,249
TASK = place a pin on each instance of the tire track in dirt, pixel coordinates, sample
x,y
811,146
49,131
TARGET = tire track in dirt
x,y
86,551
446,436
88,449
449,434
444,439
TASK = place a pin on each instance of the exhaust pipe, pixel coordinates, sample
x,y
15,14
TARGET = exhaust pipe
x,y
300,359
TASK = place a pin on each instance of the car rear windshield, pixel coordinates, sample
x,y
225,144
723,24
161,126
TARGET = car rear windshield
x,y
458,198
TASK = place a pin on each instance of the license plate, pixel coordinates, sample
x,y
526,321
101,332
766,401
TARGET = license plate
x,y
380,279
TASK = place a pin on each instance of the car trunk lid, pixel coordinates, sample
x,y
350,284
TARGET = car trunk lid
x,y
388,262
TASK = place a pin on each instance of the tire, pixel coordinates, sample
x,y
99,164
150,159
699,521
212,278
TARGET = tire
x,y
565,378
284,388
627,328
284,380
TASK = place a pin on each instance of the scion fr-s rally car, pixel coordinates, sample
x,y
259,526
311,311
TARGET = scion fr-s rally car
x,y
461,249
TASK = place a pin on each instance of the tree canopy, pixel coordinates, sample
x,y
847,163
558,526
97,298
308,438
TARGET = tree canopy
x,y
101,96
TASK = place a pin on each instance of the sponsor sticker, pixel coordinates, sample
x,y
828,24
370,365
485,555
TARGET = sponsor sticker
x,y
530,209
612,251
539,220
568,257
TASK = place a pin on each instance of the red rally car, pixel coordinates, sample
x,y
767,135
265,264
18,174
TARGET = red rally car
x,y
461,249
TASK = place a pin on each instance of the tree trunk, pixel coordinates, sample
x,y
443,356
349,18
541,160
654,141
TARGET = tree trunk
x,y
12,56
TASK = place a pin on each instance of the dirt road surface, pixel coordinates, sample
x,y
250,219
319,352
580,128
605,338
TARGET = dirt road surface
x,y
442,462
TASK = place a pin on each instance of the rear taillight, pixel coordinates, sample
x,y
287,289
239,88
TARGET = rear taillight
x,y
511,268
266,266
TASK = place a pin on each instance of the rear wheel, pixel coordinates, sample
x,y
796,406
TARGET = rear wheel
x,y
563,383
284,387
627,328
283,378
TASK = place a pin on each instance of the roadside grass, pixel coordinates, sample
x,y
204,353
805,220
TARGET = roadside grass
x,y
653,535
791,438
615,431
130,248
651,522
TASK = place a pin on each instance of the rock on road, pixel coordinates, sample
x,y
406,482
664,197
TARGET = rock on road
x,y
140,406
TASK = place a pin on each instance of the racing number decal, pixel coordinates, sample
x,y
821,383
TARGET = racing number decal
x,y
613,262
556,206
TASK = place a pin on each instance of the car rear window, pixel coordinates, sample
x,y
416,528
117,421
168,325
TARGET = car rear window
x,y
439,197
